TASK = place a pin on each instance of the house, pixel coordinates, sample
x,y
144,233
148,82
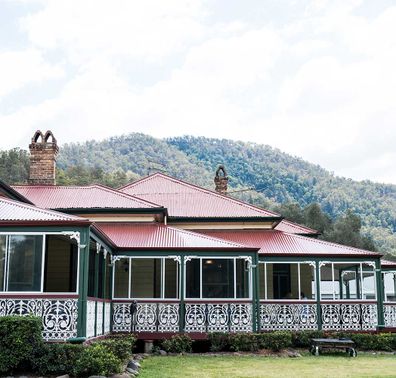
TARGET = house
x,y
161,256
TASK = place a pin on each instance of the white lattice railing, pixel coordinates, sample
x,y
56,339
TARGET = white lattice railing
x,y
107,315
390,315
149,317
349,316
59,315
218,317
288,316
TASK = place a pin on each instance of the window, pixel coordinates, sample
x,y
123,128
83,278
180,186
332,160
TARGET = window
x,y
285,281
217,278
38,263
25,255
347,281
61,260
389,279
149,278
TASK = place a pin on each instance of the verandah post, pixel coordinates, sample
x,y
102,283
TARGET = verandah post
x,y
182,294
83,283
96,288
256,294
380,295
318,308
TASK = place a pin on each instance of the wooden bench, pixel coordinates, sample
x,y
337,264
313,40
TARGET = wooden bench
x,y
317,345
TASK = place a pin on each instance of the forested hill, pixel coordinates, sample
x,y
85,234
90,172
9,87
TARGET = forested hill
x,y
272,177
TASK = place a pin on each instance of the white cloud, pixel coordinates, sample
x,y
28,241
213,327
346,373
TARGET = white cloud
x,y
18,68
320,86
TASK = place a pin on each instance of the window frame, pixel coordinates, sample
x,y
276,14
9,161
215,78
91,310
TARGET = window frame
x,y
234,298
163,279
310,263
359,277
41,292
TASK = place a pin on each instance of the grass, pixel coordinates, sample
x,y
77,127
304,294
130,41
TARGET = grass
x,y
365,365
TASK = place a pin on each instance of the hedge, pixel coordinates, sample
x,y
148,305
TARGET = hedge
x,y
20,337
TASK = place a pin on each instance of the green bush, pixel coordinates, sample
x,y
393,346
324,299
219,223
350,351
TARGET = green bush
x,y
302,339
121,347
381,341
97,359
56,359
178,344
275,340
219,341
246,342
19,338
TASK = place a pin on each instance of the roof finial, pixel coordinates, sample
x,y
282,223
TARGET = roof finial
x,y
221,180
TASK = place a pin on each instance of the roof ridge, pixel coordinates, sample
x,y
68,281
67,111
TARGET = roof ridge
x,y
320,241
201,189
127,195
285,220
41,210
207,237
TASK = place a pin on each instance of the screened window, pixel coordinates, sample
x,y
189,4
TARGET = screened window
x,y
350,281
38,263
283,281
146,278
217,278
25,262
389,279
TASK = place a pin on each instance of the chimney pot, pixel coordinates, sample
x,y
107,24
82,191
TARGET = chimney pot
x,y
43,153
221,180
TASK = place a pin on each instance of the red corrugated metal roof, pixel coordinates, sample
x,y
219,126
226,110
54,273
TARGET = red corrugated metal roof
x,y
81,197
388,263
18,212
294,228
272,242
159,236
186,200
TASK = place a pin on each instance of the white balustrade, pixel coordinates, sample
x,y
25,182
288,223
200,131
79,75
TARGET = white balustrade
x,y
59,316
390,315
288,316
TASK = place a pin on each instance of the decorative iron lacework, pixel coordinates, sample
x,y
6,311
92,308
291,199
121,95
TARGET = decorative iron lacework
x,y
218,317
390,315
91,318
99,318
354,317
59,316
107,314
288,316
149,317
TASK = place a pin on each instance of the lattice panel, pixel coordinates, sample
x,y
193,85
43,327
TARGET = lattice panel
x,y
99,318
107,320
168,317
59,316
390,315
91,306
195,318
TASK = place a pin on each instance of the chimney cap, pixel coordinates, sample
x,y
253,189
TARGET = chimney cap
x,y
47,138
221,180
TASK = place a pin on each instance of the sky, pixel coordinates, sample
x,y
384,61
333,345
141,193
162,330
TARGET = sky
x,y
314,78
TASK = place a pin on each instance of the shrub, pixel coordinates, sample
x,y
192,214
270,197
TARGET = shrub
x,y
178,344
97,359
381,341
219,341
19,338
275,340
56,359
121,347
302,339
246,342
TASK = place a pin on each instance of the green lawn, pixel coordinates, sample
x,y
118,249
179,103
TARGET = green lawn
x,y
365,365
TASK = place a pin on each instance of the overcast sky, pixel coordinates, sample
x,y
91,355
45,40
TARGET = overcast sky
x,y
316,79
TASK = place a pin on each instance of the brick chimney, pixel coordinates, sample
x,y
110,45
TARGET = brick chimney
x,y
221,180
43,153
